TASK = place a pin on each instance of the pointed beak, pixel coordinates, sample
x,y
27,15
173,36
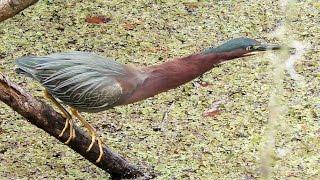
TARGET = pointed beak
x,y
264,47
267,47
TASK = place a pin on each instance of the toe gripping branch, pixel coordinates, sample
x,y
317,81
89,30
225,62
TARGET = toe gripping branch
x,y
69,124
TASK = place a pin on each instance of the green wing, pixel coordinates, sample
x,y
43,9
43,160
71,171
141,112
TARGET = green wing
x,y
82,80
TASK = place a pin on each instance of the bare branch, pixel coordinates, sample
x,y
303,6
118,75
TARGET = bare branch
x,y
46,118
9,8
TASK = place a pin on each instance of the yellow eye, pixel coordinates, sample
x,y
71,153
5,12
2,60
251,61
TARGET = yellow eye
x,y
249,48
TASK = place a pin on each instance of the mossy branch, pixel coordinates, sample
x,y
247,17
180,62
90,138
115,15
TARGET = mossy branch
x,y
46,118
9,8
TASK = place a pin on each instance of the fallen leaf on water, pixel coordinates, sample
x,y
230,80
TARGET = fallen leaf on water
x,y
130,25
214,110
211,112
97,19
202,84
205,84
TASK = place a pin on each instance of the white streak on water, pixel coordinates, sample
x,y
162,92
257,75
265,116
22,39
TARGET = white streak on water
x,y
290,62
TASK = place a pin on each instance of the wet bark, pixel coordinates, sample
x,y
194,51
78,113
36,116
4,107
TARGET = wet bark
x,y
9,8
46,118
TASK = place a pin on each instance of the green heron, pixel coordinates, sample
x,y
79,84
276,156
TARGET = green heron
x,y
87,82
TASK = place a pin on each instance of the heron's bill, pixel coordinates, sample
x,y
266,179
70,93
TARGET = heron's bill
x,y
262,48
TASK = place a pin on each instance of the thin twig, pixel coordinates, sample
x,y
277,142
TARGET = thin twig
x,y
164,122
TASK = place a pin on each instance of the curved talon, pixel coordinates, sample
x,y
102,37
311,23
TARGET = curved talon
x,y
101,150
74,134
71,132
93,139
65,128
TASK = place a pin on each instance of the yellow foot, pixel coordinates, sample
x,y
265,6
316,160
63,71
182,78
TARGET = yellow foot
x,y
66,115
93,138
72,132
92,131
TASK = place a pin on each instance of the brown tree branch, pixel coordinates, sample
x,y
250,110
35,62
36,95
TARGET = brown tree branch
x,y
9,8
46,118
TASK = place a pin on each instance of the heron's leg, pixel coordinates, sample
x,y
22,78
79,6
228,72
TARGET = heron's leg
x,y
92,131
65,114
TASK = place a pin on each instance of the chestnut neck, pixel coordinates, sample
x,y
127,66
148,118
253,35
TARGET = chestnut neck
x,y
171,74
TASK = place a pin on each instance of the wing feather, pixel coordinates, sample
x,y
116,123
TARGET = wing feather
x,y
82,80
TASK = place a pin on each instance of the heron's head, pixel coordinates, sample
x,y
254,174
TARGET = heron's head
x,y
245,46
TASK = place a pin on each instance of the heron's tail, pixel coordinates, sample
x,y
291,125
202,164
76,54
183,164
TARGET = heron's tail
x,y
26,65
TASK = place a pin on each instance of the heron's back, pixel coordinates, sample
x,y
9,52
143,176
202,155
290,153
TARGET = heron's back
x,y
85,81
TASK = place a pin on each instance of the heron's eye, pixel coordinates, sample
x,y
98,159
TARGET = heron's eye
x,y
249,48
